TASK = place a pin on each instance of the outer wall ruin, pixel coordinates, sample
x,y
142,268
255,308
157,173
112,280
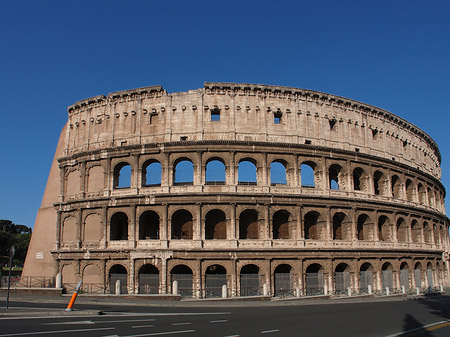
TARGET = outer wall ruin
x,y
260,188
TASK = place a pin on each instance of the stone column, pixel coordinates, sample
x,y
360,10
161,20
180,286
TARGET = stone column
x,y
329,225
198,169
83,178
132,226
198,223
58,230
234,234
354,225
79,226
164,276
265,181
300,230
105,226
267,223
136,174
164,226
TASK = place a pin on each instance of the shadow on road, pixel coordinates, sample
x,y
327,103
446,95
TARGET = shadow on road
x,y
410,323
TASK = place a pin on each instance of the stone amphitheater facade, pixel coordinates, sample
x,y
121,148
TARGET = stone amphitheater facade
x,y
264,189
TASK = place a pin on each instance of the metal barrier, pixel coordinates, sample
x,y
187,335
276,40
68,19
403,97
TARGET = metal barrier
x,y
35,282
92,288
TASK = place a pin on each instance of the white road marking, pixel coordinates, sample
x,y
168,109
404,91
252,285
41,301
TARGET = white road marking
x,y
182,323
49,332
162,333
270,331
141,326
419,328
127,320
233,336
219,321
72,322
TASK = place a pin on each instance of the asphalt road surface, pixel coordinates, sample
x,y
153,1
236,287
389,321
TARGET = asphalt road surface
x,y
414,317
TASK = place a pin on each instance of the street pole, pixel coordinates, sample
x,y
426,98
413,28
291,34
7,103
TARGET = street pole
x,y
12,251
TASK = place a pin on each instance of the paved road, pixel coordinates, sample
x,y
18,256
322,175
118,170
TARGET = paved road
x,y
387,318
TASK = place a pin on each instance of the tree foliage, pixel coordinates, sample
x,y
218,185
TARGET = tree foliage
x,y
17,235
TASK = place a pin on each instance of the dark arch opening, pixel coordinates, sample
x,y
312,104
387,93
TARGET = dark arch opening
x,y
215,279
149,226
216,225
281,225
119,226
148,279
182,225
183,275
118,273
248,224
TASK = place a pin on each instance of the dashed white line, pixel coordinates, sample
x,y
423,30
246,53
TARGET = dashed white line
x,y
126,321
141,326
270,331
50,332
219,321
233,336
162,333
182,323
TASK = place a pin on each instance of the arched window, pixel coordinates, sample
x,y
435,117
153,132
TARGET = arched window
x,y
149,226
430,197
341,228
314,280
360,181
366,276
436,234
119,226
307,174
151,173
313,231
387,280
404,276
342,278
396,187
118,273
402,230
409,190
182,225
183,275
148,279
380,183
215,172
281,226
278,173
215,279
247,172
418,275
122,175
385,229
427,232
184,172
250,284
283,283
216,225
334,173
421,193
365,228
248,225
416,232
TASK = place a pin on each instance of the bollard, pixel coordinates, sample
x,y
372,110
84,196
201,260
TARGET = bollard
x,y
325,289
175,288
118,287
58,281
74,297
417,291
387,291
403,289
224,291
369,289
441,288
349,291
265,290
298,292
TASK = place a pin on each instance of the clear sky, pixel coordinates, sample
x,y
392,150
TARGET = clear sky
x,y
391,54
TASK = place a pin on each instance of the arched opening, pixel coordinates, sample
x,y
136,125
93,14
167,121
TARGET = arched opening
x,y
402,231
149,226
248,225
183,275
312,226
148,279
247,172
385,229
151,173
334,173
427,233
387,280
380,183
409,190
341,227
436,234
215,279
183,172
430,197
122,175
215,225
283,284
342,278
396,187
250,281
182,225
430,275
360,180
314,280
119,226
215,172
281,221
404,276
307,174
118,273
421,194
278,173
416,232
366,276
365,228
418,275
91,280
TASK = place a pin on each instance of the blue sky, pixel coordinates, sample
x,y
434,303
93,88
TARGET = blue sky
x,y
391,54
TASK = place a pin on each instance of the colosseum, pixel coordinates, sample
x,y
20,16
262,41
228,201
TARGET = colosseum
x,y
241,190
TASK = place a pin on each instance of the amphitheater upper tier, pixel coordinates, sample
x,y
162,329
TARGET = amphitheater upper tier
x,y
250,113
